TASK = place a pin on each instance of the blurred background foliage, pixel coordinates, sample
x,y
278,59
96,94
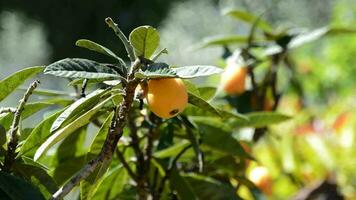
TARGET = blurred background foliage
x,y
317,143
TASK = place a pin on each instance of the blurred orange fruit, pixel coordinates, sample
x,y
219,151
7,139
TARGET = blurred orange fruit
x,y
261,178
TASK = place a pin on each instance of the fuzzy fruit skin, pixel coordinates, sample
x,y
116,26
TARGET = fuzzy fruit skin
x,y
262,179
233,79
167,97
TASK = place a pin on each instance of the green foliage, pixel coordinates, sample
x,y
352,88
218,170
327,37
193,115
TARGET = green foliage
x,y
15,188
145,40
9,84
80,68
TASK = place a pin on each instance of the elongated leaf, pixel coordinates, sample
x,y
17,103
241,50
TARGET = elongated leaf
x,y
13,81
70,128
206,93
112,184
78,108
50,93
37,176
145,40
80,68
305,37
30,109
202,104
171,151
71,166
209,188
261,119
222,40
183,187
38,135
84,43
156,70
196,71
72,146
220,139
247,17
99,139
89,186
17,188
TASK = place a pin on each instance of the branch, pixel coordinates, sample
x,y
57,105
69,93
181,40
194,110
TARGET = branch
x,y
122,37
7,110
170,169
126,165
12,144
111,140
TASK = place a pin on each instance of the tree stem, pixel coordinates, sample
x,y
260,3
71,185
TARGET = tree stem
x,y
12,144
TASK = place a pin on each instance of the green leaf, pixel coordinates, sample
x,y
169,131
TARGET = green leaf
x,y
50,93
183,187
113,183
70,128
260,119
156,70
30,109
88,44
219,139
196,71
71,166
2,135
80,68
17,188
172,150
78,107
38,177
89,186
248,17
209,188
206,93
145,40
72,146
99,139
10,83
222,40
202,104
305,37
38,135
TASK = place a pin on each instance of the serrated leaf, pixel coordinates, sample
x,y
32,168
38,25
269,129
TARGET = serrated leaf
x,y
196,71
247,17
38,135
202,104
10,83
88,44
209,188
145,40
156,70
80,68
70,128
81,105
172,150
261,119
17,188
183,187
